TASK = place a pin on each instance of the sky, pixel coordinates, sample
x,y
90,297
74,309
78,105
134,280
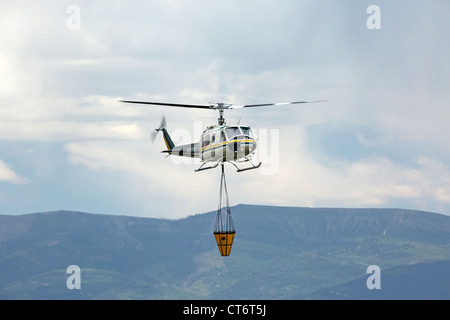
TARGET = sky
x,y
67,143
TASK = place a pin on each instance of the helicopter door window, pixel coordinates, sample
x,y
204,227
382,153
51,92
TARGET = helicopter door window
x,y
213,138
222,136
206,141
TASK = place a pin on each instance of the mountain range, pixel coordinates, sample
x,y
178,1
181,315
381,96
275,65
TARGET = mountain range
x,y
278,253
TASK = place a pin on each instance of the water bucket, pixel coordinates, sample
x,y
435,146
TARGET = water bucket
x,y
224,241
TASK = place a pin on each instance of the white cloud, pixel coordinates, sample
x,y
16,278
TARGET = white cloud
x,y
151,177
66,131
8,175
304,179
59,85
66,119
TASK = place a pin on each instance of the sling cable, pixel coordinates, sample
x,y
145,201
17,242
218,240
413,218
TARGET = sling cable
x,y
224,227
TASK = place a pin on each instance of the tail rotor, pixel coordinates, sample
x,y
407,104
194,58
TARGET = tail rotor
x,y
162,125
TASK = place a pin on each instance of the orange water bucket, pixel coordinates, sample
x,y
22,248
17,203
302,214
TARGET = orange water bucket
x,y
224,241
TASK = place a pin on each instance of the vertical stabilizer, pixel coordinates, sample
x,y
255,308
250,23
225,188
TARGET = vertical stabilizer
x,y
162,127
169,143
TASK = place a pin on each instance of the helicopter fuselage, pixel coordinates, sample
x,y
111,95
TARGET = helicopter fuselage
x,y
226,143
217,143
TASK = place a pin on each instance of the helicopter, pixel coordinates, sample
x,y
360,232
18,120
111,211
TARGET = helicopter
x,y
219,143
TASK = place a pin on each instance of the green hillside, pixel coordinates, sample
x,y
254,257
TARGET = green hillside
x,y
421,281
278,253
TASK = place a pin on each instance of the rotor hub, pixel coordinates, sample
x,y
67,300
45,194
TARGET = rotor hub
x,y
221,118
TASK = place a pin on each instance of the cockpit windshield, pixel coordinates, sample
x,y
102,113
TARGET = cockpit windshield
x,y
232,132
247,131
239,131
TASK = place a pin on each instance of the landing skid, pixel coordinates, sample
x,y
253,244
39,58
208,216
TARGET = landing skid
x,y
246,169
210,167
214,165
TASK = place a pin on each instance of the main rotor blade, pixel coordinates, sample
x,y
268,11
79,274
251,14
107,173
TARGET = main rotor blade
x,y
169,104
274,104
